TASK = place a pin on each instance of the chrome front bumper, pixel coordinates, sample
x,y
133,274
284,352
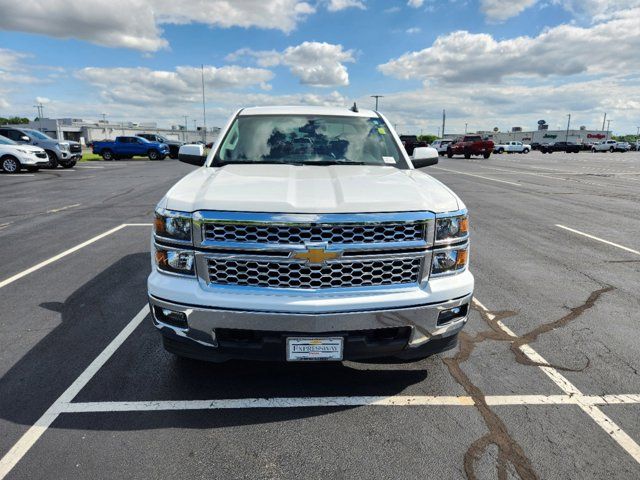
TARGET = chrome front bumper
x,y
201,321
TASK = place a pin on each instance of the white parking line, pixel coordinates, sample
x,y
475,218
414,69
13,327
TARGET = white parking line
x,y
597,415
55,258
307,402
597,239
478,176
31,436
20,175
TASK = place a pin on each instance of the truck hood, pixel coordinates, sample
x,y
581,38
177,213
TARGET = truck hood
x,y
309,189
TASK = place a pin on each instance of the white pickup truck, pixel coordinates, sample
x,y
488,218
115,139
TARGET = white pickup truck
x,y
308,234
512,147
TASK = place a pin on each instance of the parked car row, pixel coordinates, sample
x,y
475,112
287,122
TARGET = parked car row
x,y
18,142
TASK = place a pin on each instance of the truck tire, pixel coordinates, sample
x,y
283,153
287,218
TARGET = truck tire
x,y
593,150
10,164
467,155
501,151
486,154
526,150
53,159
154,155
69,164
450,153
107,155
611,149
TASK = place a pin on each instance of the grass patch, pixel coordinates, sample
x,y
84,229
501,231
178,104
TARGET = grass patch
x,y
90,157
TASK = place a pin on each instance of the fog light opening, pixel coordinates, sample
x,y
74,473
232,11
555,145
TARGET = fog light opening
x,y
170,317
452,314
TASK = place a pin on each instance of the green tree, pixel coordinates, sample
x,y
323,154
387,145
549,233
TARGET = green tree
x,y
427,138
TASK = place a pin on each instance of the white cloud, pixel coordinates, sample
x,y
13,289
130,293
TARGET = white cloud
x,y
415,3
337,5
485,106
3,103
318,64
43,100
142,86
136,23
413,30
499,10
563,50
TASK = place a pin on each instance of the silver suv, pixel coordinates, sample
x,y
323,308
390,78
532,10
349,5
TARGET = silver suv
x,y
64,153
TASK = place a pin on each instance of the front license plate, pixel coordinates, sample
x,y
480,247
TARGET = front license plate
x,y
313,348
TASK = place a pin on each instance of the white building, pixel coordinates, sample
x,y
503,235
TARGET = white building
x,y
90,131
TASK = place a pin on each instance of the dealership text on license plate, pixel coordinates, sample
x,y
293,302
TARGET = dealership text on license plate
x,y
310,348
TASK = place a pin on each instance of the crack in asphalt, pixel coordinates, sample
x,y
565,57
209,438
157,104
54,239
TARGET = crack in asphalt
x,y
509,451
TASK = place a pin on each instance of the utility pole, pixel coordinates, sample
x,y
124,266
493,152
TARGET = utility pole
x,y
444,116
204,108
604,120
186,127
608,128
465,127
104,117
40,108
566,137
377,97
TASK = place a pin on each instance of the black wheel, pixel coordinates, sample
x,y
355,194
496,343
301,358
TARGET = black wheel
x,y
53,159
501,150
33,169
10,164
611,149
526,150
450,153
486,154
154,155
593,150
467,155
69,164
107,155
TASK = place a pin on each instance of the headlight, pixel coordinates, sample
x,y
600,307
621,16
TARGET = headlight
x,y
450,229
450,261
172,225
175,261
63,146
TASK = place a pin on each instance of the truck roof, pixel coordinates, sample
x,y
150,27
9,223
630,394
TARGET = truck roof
x,y
307,110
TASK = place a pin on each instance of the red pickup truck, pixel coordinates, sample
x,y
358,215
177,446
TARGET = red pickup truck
x,y
470,145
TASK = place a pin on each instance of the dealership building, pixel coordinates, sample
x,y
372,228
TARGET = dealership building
x,y
87,132
543,135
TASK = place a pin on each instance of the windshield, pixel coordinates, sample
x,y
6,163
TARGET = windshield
x,y
309,140
6,141
39,135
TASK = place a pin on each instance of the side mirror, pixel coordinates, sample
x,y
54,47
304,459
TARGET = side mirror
x,y
192,154
24,138
424,157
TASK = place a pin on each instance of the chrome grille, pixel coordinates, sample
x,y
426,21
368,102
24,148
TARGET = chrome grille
x,y
299,234
339,274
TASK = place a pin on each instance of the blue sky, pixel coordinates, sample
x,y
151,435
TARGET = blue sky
x,y
488,62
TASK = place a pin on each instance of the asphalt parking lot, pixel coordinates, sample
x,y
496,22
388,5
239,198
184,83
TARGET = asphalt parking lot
x,y
544,383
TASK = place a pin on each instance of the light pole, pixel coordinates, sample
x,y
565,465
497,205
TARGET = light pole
x,y
566,137
608,128
104,117
186,127
40,108
377,97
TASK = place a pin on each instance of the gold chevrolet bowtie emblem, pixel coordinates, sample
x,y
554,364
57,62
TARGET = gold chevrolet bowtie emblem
x,y
316,255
